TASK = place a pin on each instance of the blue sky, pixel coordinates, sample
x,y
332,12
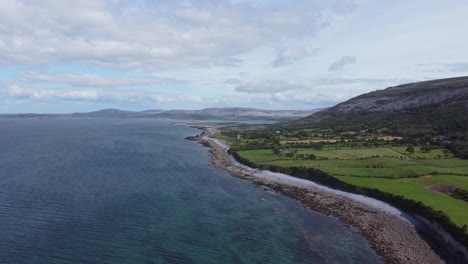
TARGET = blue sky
x,y
59,56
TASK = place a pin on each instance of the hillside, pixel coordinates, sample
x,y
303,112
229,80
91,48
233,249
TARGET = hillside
x,y
116,113
421,111
401,145
236,113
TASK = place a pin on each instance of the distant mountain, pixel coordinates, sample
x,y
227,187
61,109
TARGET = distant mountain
x,y
151,111
28,115
236,113
117,113
230,114
420,111
107,113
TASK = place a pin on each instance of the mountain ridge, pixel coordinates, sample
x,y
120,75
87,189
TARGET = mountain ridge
x,y
435,94
442,91
230,113
419,112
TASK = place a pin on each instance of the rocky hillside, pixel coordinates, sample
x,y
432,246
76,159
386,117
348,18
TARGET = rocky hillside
x,y
418,111
421,97
443,93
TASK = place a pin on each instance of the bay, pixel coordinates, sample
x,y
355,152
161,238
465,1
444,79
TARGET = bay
x,y
134,191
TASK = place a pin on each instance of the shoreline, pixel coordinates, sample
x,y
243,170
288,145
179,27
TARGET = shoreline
x,y
392,234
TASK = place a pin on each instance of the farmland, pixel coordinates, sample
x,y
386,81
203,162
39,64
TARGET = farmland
x,y
416,189
377,162
370,160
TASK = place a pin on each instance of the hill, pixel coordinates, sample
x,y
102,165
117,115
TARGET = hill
x,y
419,112
236,113
107,113
232,114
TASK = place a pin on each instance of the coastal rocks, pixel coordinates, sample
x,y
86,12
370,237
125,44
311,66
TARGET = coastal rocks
x,y
395,239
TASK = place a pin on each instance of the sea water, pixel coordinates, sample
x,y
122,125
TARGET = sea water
x,y
134,191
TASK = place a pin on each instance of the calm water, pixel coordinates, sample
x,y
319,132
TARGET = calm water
x,y
133,191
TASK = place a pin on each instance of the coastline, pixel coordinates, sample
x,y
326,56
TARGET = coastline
x,y
389,232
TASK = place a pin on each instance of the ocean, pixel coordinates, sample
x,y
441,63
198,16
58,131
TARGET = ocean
x,y
134,191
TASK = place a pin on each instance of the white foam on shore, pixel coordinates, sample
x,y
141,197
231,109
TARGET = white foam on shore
x,y
307,184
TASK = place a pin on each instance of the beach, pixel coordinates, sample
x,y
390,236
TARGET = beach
x,y
391,233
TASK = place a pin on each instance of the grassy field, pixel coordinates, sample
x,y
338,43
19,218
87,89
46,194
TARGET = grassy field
x,y
373,162
415,189
419,154
390,169
224,138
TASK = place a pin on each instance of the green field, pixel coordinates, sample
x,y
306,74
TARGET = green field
x,y
373,162
419,154
390,169
415,189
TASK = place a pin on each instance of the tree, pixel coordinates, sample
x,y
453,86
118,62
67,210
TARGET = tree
x,y
410,149
446,153
425,148
277,150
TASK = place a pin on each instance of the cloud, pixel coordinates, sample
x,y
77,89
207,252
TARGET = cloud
x,y
301,93
94,95
232,81
456,67
342,63
137,98
313,97
19,92
130,35
332,84
293,91
90,80
269,86
286,56
365,81
344,7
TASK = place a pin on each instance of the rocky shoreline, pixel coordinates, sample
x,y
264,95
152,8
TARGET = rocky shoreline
x,y
392,237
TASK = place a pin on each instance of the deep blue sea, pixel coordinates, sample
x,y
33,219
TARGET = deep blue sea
x,y
134,191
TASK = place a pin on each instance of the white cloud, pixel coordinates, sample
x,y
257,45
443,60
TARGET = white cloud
x,y
344,7
286,56
269,86
130,98
90,80
318,85
130,35
455,67
68,94
299,92
228,52
342,63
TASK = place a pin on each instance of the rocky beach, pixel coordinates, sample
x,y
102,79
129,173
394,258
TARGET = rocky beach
x,y
393,236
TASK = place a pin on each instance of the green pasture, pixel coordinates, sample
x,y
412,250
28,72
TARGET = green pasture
x,y
390,169
433,154
415,189
372,162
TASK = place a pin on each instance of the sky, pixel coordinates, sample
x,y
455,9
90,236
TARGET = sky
x,y
62,56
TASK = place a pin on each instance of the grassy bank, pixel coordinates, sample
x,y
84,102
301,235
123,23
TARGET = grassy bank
x,y
382,162
409,205
387,169
417,189
420,177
